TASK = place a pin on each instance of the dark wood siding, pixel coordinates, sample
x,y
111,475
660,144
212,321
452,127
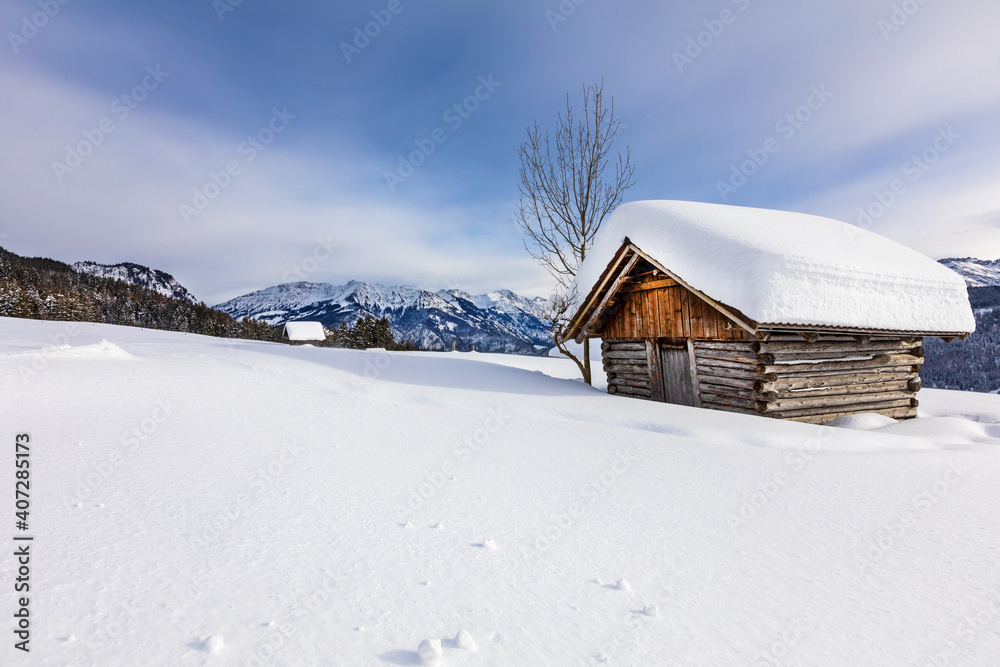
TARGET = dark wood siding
x,y
667,312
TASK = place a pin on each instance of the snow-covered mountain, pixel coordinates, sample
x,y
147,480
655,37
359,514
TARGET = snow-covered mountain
x,y
977,272
143,276
499,321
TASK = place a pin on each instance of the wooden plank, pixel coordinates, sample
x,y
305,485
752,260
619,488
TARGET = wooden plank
x,y
641,384
867,407
729,355
697,327
633,391
729,363
847,389
711,320
844,346
719,381
630,362
880,361
655,324
616,353
631,319
837,401
730,346
711,400
736,392
659,283
830,380
685,311
627,370
693,366
705,372
655,370
623,346
786,357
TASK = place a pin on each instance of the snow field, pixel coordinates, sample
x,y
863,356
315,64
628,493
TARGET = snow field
x,y
256,492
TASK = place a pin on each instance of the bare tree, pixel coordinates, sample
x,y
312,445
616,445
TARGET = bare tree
x,y
565,196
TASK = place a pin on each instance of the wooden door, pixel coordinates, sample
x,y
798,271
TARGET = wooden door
x,y
678,382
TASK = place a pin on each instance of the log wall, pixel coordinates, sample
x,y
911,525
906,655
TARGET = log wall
x,y
631,368
787,377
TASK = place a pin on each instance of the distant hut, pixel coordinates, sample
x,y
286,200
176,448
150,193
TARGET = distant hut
x,y
761,312
303,332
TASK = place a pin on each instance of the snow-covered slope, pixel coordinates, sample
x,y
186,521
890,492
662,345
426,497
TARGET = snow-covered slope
x,y
500,321
143,276
780,268
198,501
977,272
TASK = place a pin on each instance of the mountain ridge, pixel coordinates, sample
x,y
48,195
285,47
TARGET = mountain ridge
x,y
158,281
977,272
496,321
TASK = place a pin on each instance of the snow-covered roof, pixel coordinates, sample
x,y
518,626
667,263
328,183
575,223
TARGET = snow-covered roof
x,y
304,331
781,268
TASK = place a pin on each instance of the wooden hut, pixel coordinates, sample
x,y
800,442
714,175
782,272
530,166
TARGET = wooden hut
x,y
762,312
302,333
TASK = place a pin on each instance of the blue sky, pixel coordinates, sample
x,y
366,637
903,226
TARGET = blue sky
x,y
288,136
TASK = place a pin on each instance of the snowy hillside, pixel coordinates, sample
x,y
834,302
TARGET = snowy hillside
x,y
200,501
498,321
143,276
977,272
